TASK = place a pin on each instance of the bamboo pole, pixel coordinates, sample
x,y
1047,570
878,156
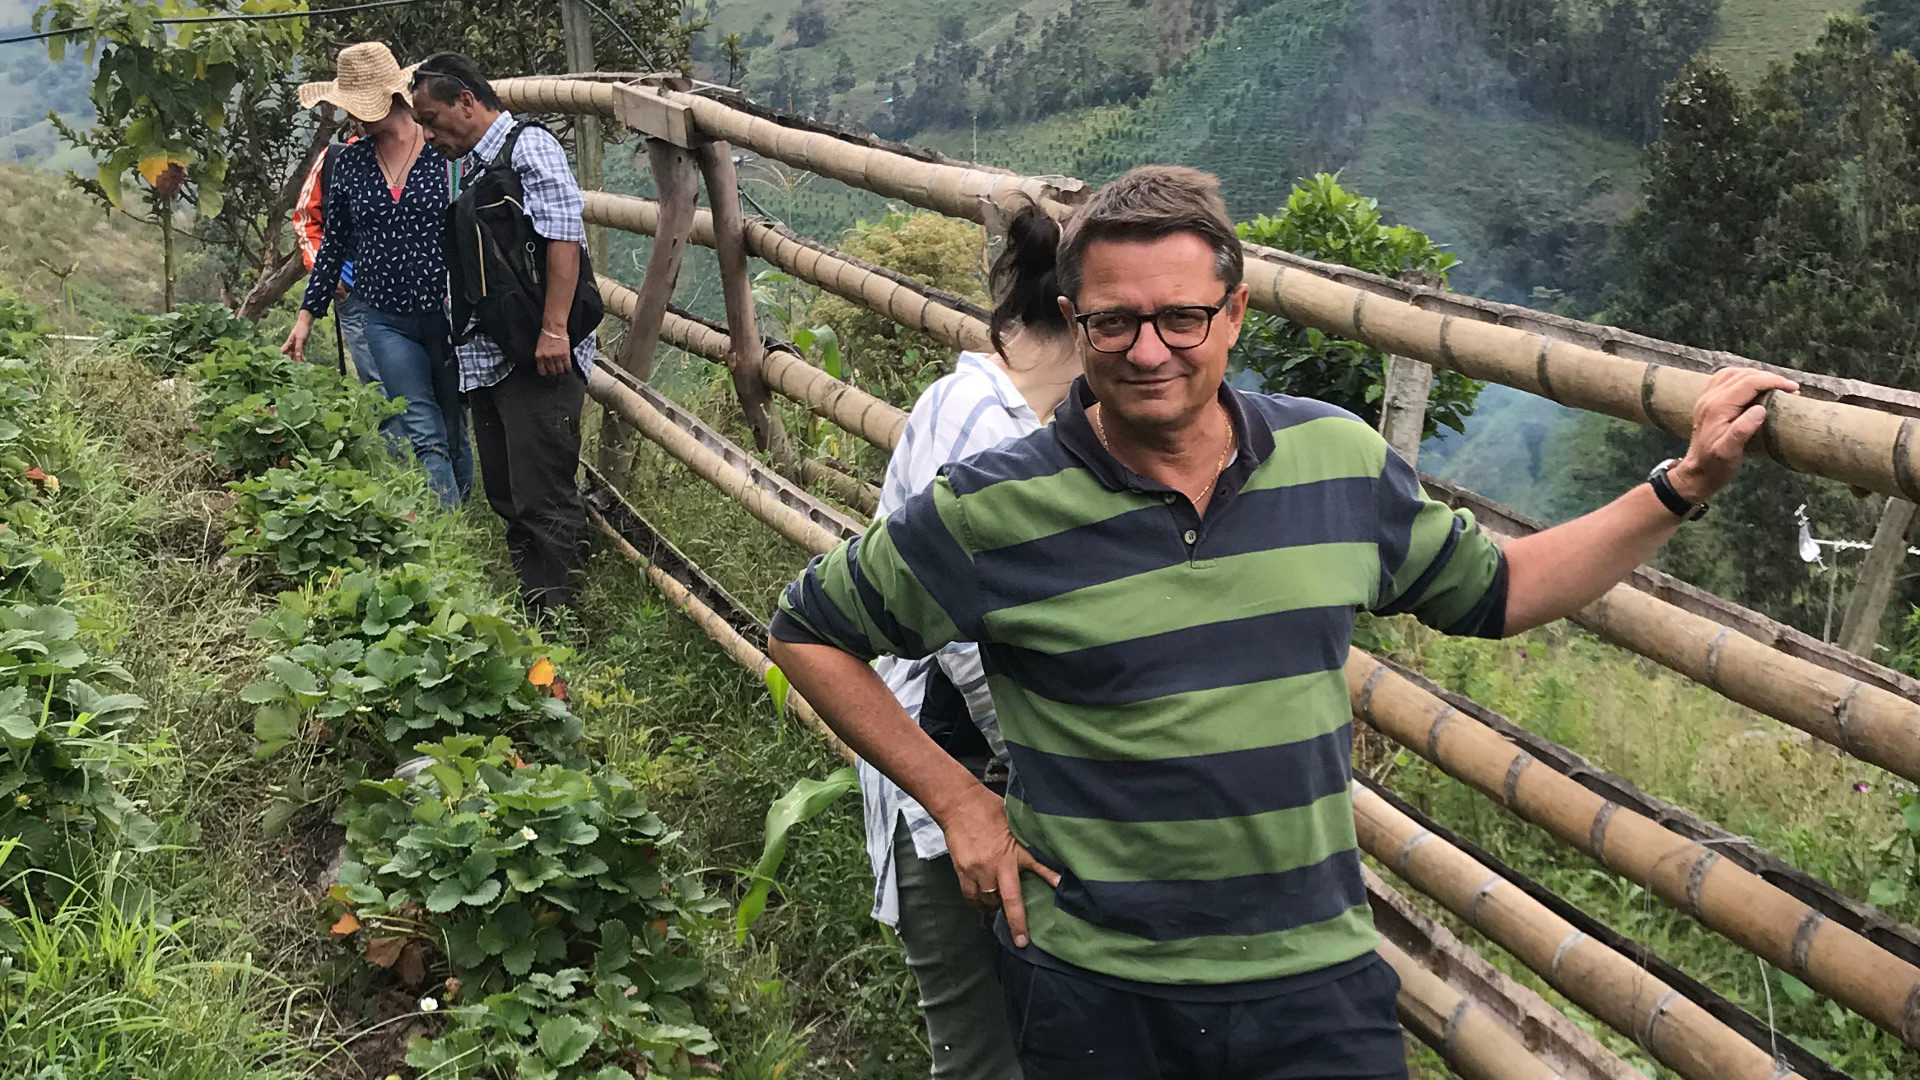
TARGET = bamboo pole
x,y
1677,1032
676,176
743,360
1836,698
711,467
737,647
1755,915
845,487
914,304
1473,1045
1866,448
788,374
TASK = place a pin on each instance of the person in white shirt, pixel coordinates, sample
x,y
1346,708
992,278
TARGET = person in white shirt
x,y
988,399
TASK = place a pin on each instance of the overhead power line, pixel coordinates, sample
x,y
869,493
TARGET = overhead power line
x,y
265,17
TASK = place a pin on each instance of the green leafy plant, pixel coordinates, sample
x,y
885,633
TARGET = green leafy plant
x,y
1322,220
25,575
168,344
22,326
258,409
316,516
62,713
23,480
514,868
567,1025
381,660
806,798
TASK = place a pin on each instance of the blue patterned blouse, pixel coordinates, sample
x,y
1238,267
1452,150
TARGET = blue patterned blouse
x,y
399,264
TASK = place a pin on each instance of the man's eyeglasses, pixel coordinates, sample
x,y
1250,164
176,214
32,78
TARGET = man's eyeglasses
x,y
1183,327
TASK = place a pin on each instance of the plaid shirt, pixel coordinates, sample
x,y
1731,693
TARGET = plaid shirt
x,y
553,202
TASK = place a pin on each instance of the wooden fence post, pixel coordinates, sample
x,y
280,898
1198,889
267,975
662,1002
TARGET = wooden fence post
x,y
577,29
1867,607
730,240
676,175
1403,405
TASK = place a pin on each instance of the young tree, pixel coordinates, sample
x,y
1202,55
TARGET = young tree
x,y
1780,224
1324,221
189,111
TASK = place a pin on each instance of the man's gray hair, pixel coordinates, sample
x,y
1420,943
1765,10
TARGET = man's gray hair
x,y
1148,203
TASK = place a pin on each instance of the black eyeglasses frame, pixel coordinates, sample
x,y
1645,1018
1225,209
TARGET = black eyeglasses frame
x,y
1153,317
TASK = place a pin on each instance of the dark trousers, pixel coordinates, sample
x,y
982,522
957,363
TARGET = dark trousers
x,y
1068,1027
526,433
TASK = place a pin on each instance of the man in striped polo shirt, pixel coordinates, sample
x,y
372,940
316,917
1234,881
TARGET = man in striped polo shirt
x,y
1163,584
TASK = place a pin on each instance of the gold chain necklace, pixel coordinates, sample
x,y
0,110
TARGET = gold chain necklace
x,y
1100,429
406,162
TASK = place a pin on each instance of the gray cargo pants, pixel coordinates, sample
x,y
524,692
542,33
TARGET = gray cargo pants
x,y
954,957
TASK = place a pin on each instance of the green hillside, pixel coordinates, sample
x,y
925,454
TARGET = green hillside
x,y
1755,33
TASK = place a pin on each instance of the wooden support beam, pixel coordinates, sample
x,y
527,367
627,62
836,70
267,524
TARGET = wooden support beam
x,y
588,143
1403,405
744,360
676,174
1867,607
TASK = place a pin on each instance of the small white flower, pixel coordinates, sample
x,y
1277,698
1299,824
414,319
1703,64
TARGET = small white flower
x,y
529,834
428,1004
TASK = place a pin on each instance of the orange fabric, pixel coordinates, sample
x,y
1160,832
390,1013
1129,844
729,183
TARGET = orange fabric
x,y
307,213
309,210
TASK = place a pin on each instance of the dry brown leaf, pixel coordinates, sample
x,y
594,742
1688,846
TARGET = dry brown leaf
x,y
384,951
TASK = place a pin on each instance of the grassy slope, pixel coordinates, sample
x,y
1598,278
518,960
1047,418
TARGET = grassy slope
x,y
1755,33
46,227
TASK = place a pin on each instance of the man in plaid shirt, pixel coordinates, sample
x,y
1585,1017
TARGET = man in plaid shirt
x,y
526,409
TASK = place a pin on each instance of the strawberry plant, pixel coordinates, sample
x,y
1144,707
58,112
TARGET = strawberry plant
x,y
168,344
25,577
62,710
561,1026
257,409
315,516
380,660
514,868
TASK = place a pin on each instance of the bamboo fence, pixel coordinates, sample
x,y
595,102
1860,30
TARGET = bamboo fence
x,y
788,374
1856,433
1869,448
1755,914
1758,916
1850,708
1678,1033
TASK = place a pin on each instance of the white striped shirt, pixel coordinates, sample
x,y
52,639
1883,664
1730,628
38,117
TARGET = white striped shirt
x,y
974,409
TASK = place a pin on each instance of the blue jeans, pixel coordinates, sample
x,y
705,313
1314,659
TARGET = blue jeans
x,y
411,359
352,315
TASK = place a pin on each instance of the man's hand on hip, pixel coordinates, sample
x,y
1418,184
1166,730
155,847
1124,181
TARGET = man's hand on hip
x,y
552,354
1726,417
988,860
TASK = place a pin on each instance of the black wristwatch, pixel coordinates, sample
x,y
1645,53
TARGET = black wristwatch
x,y
1670,498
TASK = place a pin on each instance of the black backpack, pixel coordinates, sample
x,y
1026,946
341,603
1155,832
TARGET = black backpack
x,y
496,264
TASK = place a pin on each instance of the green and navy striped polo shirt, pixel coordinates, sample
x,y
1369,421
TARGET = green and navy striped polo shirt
x,y
1171,687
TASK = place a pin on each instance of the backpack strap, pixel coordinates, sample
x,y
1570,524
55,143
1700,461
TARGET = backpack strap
x,y
505,156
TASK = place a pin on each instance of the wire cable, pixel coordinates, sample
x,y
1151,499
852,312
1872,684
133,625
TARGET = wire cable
x,y
261,17
642,53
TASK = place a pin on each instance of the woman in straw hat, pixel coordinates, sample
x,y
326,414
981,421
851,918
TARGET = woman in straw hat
x,y
385,208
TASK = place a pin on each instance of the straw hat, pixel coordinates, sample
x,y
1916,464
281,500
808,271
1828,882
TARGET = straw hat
x,y
368,77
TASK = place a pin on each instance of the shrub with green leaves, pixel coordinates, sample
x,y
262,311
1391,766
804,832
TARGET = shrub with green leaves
x,y
22,326
25,576
317,516
516,869
62,712
559,1026
168,344
1323,220
387,659
23,479
257,409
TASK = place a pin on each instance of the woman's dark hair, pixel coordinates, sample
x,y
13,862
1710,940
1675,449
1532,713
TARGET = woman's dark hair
x,y
448,73
1023,278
